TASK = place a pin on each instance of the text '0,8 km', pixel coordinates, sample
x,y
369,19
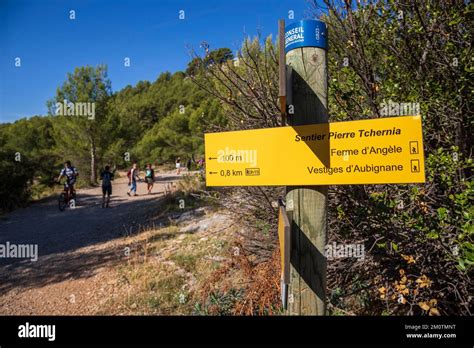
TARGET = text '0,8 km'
x,y
378,151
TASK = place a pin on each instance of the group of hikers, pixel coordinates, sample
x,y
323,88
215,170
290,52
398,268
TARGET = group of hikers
x,y
134,175
107,176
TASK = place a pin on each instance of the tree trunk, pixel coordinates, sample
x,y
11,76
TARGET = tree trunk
x,y
93,178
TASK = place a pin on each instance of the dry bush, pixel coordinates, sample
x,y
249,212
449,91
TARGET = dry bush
x,y
262,294
254,285
189,184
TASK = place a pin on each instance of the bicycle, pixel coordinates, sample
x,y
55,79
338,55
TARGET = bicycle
x,y
64,200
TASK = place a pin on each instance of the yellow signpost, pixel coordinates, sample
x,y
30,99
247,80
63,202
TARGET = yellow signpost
x,y
284,231
284,239
375,151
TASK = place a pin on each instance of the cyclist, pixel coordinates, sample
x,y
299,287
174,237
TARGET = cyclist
x,y
71,174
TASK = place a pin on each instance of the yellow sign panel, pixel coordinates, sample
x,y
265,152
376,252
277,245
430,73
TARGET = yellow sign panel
x,y
376,151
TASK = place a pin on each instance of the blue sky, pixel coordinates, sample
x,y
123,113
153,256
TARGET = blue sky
x,y
149,32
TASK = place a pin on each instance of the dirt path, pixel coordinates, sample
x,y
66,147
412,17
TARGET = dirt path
x,y
73,247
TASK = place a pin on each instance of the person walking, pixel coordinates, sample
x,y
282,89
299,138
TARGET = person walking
x,y
178,165
106,176
202,168
132,179
149,177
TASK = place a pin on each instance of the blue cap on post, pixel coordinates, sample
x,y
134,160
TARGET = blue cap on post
x,y
307,33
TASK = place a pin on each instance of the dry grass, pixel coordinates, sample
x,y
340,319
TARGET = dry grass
x,y
165,269
253,287
222,268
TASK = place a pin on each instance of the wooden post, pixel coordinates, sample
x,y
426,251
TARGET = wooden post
x,y
307,289
282,70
